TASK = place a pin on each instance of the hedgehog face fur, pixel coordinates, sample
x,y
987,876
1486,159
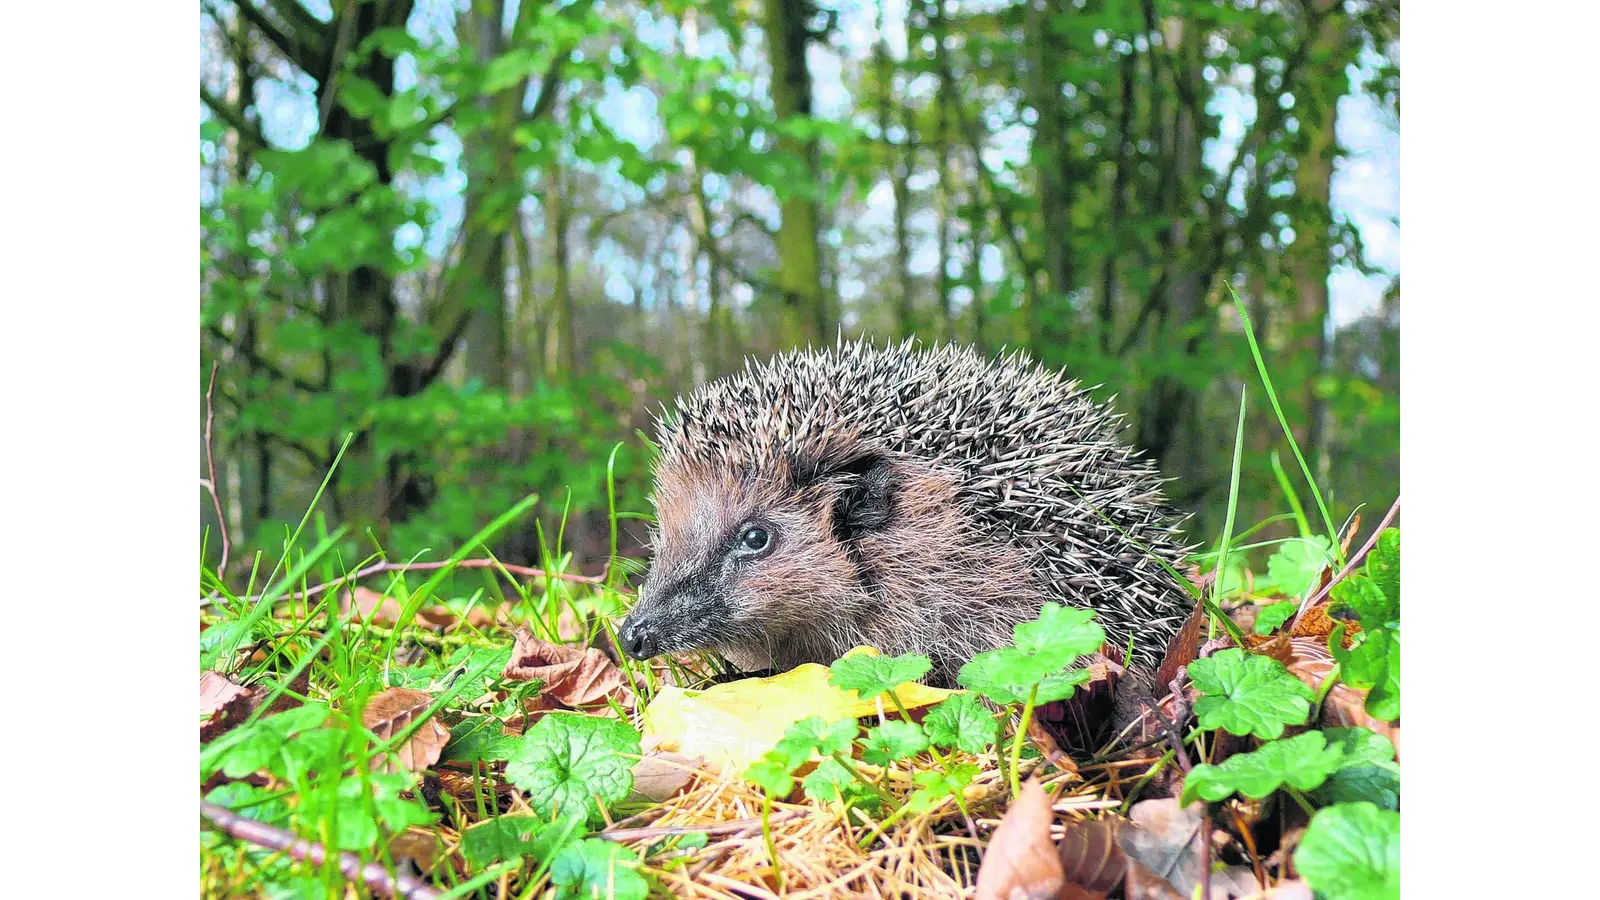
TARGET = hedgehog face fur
x,y
916,500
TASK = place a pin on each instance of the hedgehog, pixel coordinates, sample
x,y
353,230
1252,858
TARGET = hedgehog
x,y
915,499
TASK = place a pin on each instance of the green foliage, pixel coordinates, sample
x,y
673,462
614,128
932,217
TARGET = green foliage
x,y
1269,617
1298,564
504,837
599,869
1352,850
1373,594
961,721
568,764
1043,648
933,785
811,735
478,740
893,741
1248,694
1302,762
870,676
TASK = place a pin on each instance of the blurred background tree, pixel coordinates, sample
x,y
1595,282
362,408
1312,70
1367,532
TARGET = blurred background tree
x,y
485,239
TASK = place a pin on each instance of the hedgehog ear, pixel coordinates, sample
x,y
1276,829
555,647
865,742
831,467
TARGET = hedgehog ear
x,y
867,500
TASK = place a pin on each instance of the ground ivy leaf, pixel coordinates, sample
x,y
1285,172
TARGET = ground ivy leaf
x,y
566,760
813,735
1361,746
1352,850
1060,631
1302,762
1298,564
1248,694
1362,596
480,739
1379,785
506,836
1044,647
828,781
962,722
597,868
1269,617
893,741
870,676
1373,665
1006,676
934,785
1383,566
771,774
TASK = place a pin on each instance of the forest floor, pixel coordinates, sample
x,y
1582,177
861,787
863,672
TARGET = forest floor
x,y
457,747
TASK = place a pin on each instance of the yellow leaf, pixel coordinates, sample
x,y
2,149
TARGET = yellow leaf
x,y
737,722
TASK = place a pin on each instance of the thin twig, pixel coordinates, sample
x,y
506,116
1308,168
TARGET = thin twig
x,y
373,875
1349,566
380,568
211,482
664,831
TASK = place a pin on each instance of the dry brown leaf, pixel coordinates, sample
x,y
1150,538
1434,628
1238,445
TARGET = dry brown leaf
x,y
1143,884
1167,842
1021,862
391,712
1344,706
1090,856
1316,623
573,677
367,605
660,774
1184,646
223,705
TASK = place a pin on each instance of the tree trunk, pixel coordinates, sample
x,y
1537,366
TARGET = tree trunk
x,y
799,257
1049,149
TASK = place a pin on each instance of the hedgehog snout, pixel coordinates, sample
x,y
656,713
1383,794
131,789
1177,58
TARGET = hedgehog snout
x,y
637,639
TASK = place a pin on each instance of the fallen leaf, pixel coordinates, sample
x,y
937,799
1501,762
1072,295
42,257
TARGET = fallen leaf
x,y
391,712
1021,862
367,605
223,705
1086,719
1143,884
1184,647
226,704
1344,706
738,722
1167,843
1091,857
658,775
574,678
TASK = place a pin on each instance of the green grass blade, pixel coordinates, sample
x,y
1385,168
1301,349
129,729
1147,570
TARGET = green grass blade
x,y
1233,506
1283,421
1289,494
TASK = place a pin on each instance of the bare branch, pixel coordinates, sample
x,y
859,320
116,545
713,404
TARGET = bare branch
x,y
373,875
234,119
210,483
304,46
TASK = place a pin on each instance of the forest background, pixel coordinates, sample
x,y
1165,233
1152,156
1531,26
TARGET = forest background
x,y
483,240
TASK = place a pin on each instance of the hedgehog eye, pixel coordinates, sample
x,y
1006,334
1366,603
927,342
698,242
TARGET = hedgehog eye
x,y
754,539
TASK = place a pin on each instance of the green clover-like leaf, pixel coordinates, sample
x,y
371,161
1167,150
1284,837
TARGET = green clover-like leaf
x,y
503,837
1372,665
1298,564
1362,595
1352,850
480,739
934,785
870,676
961,721
1269,617
596,868
1061,633
771,773
1383,566
1248,694
1302,762
893,741
814,735
568,764
830,781
1368,782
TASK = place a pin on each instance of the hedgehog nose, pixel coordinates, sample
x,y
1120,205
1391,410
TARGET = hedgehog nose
x,y
636,640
